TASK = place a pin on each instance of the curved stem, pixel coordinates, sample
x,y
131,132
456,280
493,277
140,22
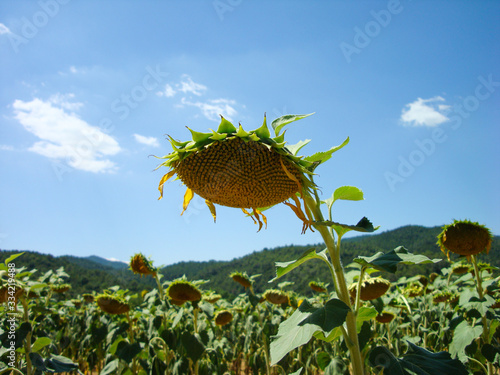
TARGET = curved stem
x,y
350,333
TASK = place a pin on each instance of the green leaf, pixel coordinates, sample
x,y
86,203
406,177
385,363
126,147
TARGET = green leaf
x,y
110,368
388,262
364,225
294,149
321,157
59,363
298,372
225,127
304,322
127,351
491,353
350,193
193,345
282,268
12,257
416,361
280,122
40,343
463,335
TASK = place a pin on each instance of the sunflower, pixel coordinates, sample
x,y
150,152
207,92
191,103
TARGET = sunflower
x,y
318,287
141,265
464,237
385,317
242,279
61,288
181,291
247,170
223,317
112,304
371,288
276,297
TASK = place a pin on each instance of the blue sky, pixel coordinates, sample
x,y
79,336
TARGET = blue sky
x,y
89,90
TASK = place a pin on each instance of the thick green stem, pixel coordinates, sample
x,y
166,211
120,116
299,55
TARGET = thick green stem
x,y
479,288
350,334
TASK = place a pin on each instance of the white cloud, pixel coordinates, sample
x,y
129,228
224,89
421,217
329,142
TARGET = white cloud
x,y
425,112
188,86
6,148
64,136
4,29
211,109
73,69
149,141
168,92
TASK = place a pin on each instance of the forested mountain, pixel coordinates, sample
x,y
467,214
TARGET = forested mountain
x,y
95,273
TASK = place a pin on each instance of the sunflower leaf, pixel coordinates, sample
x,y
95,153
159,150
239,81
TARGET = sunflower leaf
x,y
388,262
364,225
282,268
299,328
294,149
321,157
280,122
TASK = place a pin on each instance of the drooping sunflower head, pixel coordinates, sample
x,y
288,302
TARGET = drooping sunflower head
x,y
141,265
181,291
242,279
247,170
460,268
443,296
371,288
60,288
112,304
318,286
276,297
212,297
223,317
464,237
89,298
385,317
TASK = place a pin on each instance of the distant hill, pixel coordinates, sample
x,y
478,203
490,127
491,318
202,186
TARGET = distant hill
x,y
95,273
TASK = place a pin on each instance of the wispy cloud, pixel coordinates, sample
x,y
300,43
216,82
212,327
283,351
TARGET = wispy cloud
x,y
6,148
149,141
210,108
64,136
4,29
425,112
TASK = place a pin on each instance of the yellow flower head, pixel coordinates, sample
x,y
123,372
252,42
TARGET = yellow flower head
x,y
247,170
464,237
181,291
112,304
141,265
89,298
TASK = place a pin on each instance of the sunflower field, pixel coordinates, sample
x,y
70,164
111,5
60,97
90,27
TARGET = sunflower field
x,y
358,322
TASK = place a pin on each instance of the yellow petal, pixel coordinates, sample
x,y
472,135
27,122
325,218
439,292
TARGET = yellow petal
x,y
163,180
211,208
291,176
187,198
